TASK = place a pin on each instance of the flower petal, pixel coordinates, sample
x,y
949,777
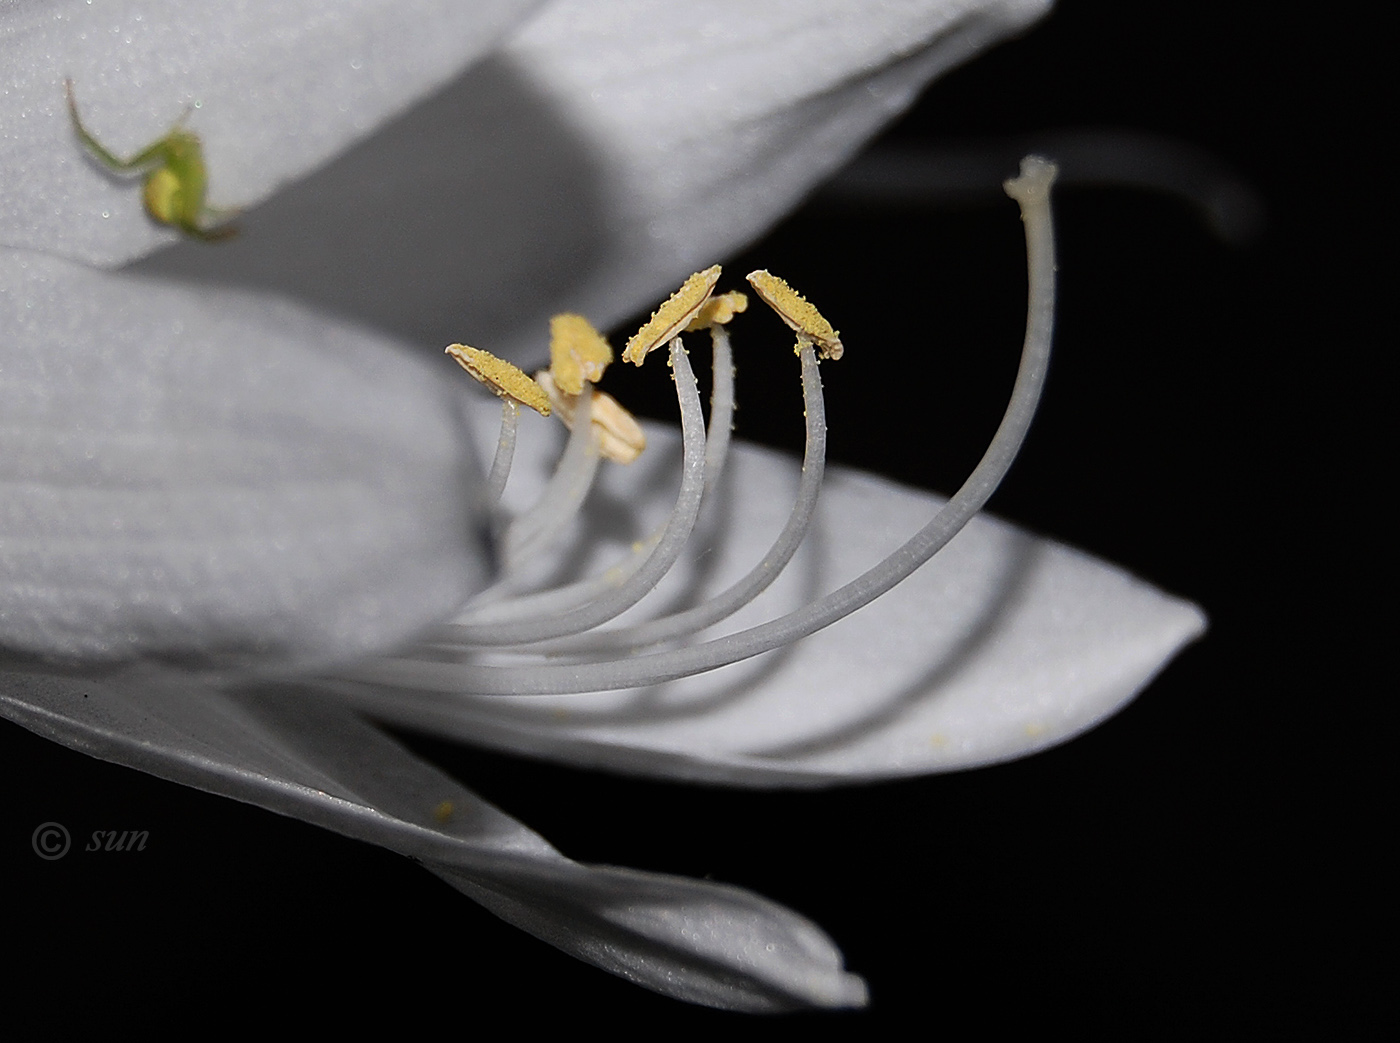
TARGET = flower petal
x,y
218,478
711,120
289,752
600,155
280,88
1002,645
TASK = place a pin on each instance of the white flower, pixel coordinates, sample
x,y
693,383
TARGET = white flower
x,y
215,499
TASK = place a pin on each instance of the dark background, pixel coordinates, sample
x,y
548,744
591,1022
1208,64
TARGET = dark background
x,y
1197,864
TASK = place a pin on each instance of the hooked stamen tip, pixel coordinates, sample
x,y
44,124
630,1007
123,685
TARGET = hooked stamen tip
x,y
1032,185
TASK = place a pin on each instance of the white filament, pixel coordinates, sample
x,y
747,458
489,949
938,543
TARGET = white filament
x,y
505,453
530,533
758,579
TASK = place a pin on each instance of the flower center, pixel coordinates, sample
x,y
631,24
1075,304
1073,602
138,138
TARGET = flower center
x,y
567,623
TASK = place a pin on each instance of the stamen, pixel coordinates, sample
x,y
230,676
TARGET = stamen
x,y
717,437
673,316
658,563
577,353
514,388
798,313
577,348
761,576
1031,191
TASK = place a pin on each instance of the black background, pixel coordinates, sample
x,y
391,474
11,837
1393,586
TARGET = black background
x,y
1197,864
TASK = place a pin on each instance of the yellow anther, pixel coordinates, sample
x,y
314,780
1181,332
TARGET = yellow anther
x,y
673,316
620,437
719,311
577,352
797,313
501,377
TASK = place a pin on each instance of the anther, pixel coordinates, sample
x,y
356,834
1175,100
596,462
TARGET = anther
x,y
798,313
505,380
577,352
620,437
673,316
719,311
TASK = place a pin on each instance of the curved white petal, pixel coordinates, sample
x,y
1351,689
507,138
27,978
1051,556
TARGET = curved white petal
x,y
279,88
218,478
290,753
709,120
1002,645
601,154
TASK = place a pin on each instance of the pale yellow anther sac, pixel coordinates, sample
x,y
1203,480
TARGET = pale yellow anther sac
x,y
620,437
673,316
577,352
719,311
504,379
797,312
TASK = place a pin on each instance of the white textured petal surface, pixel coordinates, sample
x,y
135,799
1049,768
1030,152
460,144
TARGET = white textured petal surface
x,y
279,87
218,478
291,753
712,119
596,158
1004,644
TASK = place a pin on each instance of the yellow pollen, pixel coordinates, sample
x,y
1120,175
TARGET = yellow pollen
x,y
719,311
501,377
673,316
577,352
443,812
620,437
798,313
